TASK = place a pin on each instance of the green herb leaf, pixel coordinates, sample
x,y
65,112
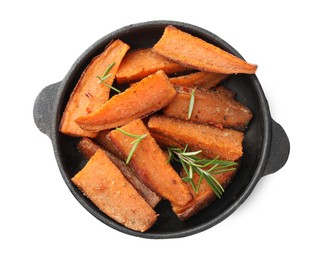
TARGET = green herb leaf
x,y
191,104
106,75
205,168
135,143
187,179
108,85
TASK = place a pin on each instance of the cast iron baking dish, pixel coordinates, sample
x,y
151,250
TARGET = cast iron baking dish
x,y
266,145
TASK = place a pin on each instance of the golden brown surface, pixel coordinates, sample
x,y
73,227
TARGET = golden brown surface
x,y
88,148
150,163
226,143
103,183
164,141
145,97
200,79
104,140
194,52
224,91
204,197
89,95
143,62
210,107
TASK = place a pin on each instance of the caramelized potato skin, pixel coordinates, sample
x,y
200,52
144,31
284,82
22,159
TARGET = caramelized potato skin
x,y
179,46
155,91
103,183
150,163
204,197
210,107
88,148
225,143
89,94
143,62
201,79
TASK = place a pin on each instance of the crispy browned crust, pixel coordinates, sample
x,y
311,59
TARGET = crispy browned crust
x,y
150,163
89,95
104,140
143,98
88,148
210,107
143,62
204,197
165,141
103,183
194,52
224,91
200,79
226,143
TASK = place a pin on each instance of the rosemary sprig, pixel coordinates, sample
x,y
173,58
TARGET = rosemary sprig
x,y
106,75
135,143
191,104
205,168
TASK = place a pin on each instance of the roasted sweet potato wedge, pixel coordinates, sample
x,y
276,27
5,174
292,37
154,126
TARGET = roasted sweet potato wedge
x,y
203,198
150,163
224,91
143,98
164,141
194,52
104,140
103,183
88,148
143,62
226,143
89,94
200,79
209,108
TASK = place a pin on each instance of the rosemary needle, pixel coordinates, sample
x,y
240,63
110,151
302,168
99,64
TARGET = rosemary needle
x,y
106,75
191,104
205,168
138,139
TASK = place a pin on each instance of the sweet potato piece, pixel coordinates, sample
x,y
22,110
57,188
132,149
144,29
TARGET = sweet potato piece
x,y
209,108
165,141
89,94
88,148
194,52
150,163
143,62
226,143
145,97
224,91
200,79
103,183
204,197
104,140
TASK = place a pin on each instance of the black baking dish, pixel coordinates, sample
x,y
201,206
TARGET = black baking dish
x,y
266,145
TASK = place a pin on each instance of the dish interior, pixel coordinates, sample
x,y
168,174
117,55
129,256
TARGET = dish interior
x,y
247,91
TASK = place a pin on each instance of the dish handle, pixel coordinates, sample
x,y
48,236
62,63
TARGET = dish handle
x,y
279,149
43,108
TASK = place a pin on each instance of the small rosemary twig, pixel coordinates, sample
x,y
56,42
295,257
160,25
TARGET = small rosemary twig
x,y
106,75
191,104
135,143
205,168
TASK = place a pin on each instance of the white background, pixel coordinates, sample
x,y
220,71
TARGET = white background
x,y
40,219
